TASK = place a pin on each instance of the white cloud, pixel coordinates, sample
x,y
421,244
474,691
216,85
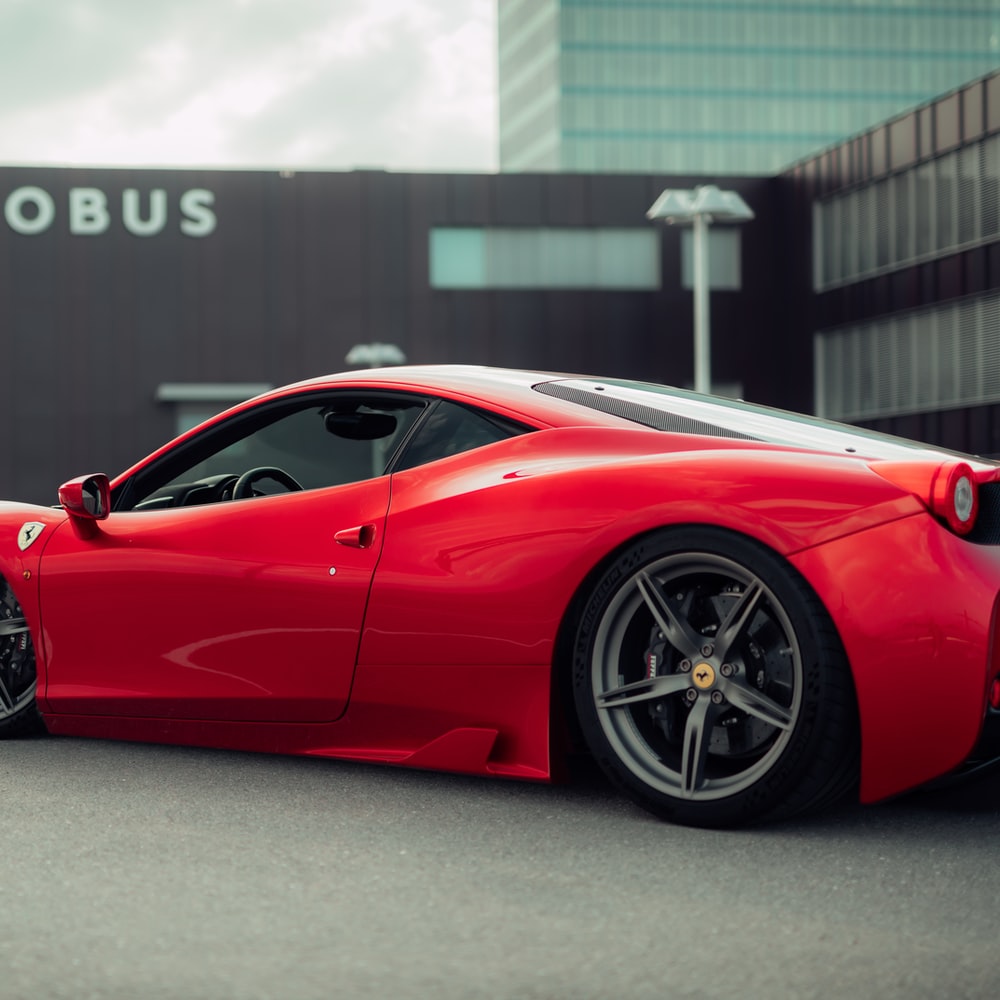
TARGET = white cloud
x,y
402,84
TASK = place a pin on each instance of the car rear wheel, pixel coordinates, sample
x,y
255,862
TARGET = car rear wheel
x,y
18,711
710,683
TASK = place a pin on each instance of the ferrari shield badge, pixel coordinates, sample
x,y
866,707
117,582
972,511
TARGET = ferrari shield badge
x,y
30,530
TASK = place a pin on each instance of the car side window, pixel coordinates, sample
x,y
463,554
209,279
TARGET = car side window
x,y
449,429
306,444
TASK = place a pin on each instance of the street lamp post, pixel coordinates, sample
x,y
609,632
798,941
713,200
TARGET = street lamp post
x,y
701,207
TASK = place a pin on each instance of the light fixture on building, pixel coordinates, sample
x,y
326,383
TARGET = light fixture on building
x,y
375,355
700,207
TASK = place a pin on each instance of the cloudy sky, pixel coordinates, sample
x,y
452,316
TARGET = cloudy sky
x,y
335,84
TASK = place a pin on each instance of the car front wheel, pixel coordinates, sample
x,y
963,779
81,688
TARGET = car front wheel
x,y
710,683
18,711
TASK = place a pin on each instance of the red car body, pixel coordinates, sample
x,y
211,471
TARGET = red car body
x,y
424,617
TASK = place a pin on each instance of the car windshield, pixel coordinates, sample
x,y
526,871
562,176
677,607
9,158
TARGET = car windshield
x,y
681,411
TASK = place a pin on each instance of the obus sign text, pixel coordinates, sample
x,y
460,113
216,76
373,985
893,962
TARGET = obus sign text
x,y
32,210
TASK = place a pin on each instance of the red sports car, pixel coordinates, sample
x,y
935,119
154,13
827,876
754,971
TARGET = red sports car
x,y
740,613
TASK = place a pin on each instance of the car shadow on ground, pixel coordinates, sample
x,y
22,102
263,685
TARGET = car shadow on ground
x,y
583,789
976,797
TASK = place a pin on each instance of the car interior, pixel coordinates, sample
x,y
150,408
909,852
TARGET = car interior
x,y
311,442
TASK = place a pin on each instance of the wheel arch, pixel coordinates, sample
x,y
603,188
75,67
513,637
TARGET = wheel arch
x,y
567,732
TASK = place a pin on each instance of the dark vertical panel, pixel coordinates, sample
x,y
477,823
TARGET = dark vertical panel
x,y
928,428
992,115
993,449
949,277
471,329
625,346
426,208
333,255
947,123
905,289
36,367
830,308
863,158
622,200
850,169
233,294
925,117
903,142
827,172
928,283
567,340
881,294
953,432
431,343
879,151
810,171
670,260
980,438
470,200
909,426
387,242
974,277
280,338
845,174
566,199
517,199
972,111
519,331
993,265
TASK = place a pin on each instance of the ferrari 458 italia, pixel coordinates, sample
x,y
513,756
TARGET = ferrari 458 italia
x,y
740,613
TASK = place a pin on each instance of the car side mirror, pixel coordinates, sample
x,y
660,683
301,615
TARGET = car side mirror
x,y
87,498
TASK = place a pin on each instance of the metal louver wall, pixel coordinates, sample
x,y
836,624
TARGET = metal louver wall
x,y
940,206
932,359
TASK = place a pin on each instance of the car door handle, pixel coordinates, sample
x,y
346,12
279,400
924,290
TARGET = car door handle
x,y
360,537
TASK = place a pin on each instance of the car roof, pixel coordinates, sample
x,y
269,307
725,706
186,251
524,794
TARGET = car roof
x,y
510,390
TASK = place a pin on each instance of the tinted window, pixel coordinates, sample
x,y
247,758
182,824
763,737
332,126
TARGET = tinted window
x,y
449,429
314,442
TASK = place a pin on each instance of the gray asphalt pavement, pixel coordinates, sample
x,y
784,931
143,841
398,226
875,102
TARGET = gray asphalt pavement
x,y
150,872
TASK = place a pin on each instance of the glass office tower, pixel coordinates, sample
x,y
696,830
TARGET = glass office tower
x,y
721,86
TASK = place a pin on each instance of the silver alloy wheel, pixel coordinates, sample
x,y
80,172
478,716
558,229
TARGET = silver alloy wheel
x,y
696,674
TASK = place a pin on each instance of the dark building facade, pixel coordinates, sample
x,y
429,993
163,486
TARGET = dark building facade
x,y
132,302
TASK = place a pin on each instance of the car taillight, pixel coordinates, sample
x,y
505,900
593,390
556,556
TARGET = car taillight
x,y
956,497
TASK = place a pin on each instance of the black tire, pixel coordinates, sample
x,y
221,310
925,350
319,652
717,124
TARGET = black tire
x,y
710,683
18,710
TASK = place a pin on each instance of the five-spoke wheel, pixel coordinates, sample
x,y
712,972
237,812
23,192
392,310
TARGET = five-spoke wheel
x,y
710,683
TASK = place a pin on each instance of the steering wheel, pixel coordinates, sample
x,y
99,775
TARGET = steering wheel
x,y
244,485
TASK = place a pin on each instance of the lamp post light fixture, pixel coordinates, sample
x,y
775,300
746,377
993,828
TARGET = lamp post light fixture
x,y
701,207
375,356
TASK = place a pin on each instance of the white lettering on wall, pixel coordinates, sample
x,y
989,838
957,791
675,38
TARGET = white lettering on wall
x,y
30,211
39,220
195,204
132,218
88,212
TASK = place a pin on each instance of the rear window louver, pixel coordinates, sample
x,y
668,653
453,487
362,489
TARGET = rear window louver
x,y
648,416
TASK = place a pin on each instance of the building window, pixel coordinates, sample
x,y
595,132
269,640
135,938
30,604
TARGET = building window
x,y
545,258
